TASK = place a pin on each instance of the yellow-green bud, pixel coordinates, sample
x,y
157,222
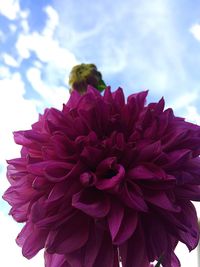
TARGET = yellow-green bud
x,y
83,75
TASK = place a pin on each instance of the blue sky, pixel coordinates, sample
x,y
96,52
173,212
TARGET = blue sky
x,y
137,45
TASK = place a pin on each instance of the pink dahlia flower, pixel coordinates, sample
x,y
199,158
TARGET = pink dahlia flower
x,y
104,181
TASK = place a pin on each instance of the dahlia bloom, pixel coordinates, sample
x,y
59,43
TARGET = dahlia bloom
x,y
106,180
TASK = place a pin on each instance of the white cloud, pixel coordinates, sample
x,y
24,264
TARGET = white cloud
x,y
10,253
4,72
9,8
25,25
22,46
195,30
54,95
139,44
24,13
185,106
184,100
46,49
52,21
12,27
9,60
192,114
54,61
2,36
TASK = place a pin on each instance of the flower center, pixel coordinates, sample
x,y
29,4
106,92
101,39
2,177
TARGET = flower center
x,y
109,174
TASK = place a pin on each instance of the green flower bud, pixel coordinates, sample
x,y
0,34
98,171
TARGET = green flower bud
x,y
83,75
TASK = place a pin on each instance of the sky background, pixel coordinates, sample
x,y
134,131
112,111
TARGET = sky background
x,y
136,44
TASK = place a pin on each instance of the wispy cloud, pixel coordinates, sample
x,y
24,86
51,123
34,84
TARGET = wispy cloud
x,y
55,62
141,44
54,96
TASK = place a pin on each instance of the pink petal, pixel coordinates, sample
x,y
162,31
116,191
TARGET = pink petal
x,y
91,202
127,228
71,236
133,251
115,218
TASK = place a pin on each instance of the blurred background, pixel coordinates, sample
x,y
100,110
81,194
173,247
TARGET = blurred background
x,y
137,45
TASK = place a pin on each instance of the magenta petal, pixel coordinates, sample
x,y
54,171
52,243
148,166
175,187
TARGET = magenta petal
x,y
140,98
115,218
118,97
175,260
91,156
133,197
177,158
73,101
21,139
148,171
189,216
87,255
63,145
172,138
36,136
93,246
58,171
19,213
164,244
150,151
72,236
191,192
160,199
32,240
133,252
127,228
40,183
18,162
55,260
91,202
19,195
57,192
106,253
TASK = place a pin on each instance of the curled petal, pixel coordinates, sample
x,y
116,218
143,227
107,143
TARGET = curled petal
x,y
91,202
109,174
